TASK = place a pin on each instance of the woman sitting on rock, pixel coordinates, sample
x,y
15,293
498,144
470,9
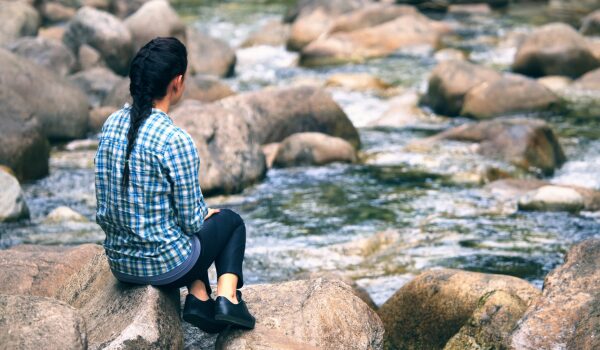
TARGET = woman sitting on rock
x,y
149,201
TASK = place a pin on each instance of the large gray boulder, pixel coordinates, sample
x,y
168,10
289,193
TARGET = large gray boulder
x,y
23,146
508,95
17,19
97,83
33,322
105,33
313,148
209,55
450,81
554,49
154,18
48,53
426,312
306,314
566,315
60,107
12,203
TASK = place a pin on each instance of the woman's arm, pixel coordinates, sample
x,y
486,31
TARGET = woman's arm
x,y
182,164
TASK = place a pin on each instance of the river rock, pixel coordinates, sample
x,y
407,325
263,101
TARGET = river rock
x,y
333,318
17,19
96,82
48,53
231,156
357,81
154,18
41,270
430,309
449,54
313,148
491,324
403,111
206,88
450,81
555,83
59,106
64,214
566,315
589,81
209,55
508,95
552,198
554,49
272,33
369,15
591,24
12,203
23,146
405,32
312,18
105,33
32,322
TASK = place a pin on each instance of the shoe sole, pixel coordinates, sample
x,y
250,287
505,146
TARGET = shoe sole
x,y
207,325
235,321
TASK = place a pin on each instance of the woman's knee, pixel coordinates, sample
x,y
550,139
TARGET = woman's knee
x,y
232,216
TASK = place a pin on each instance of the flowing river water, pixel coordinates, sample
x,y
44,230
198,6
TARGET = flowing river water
x,y
325,218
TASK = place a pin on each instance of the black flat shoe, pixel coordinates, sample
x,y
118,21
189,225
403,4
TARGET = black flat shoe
x,y
233,314
201,314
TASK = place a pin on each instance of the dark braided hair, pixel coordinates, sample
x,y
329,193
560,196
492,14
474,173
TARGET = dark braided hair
x,y
151,71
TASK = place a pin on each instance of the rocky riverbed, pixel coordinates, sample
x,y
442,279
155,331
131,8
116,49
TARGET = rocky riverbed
x,y
373,140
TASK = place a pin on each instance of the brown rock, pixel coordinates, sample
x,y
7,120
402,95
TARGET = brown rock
x,y
554,49
18,19
209,55
332,318
589,81
119,95
273,33
270,152
32,322
313,148
450,81
491,324
357,81
54,32
403,111
206,88
98,116
429,310
529,144
506,96
48,53
370,15
89,58
154,18
566,315
54,11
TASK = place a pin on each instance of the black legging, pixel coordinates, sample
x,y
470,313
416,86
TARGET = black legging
x,y
222,241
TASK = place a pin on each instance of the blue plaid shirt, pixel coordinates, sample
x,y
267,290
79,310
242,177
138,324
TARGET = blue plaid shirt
x,y
148,227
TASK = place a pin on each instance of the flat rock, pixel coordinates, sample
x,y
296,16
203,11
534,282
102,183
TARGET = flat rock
x,y
313,148
430,309
32,322
306,314
566,315
12,203
554,49
552,198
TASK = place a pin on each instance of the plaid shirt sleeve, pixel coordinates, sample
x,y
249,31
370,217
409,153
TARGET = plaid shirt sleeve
x,y
182,164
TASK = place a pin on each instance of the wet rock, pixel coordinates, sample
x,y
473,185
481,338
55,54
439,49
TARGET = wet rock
x,y
312,18
491,324
64,214
48,53
526,143
98,116
54,12
405,32
231,156
591,24
32,322
96,82
552,198
357,81
450,54
154,18
450,81
41,270
334,318
209,55
508,95
369,15
273,33
566,315
122,316
119,95
313,148
18,19
23,147
554,49
105,33
60,107
206,88
12,203
430,309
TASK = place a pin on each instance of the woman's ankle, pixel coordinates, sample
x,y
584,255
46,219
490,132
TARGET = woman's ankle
x,y
231,296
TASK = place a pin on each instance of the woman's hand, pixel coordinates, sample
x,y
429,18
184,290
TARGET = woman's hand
x,y
211,212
